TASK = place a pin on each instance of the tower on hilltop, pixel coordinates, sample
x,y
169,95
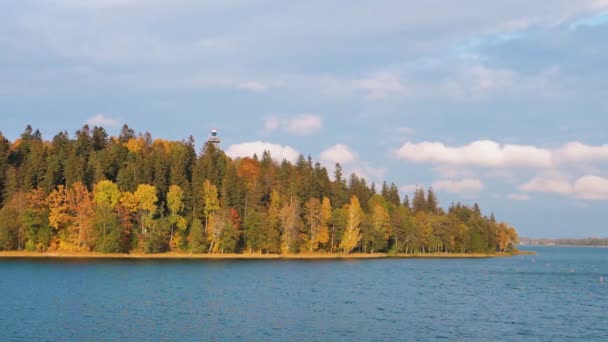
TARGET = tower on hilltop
x,y
214,138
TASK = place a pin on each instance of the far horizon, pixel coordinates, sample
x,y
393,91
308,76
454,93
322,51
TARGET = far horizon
x,y
505,107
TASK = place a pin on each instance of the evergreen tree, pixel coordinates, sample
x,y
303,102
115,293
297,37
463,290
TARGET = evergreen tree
x,y
419,202
432,206
196,238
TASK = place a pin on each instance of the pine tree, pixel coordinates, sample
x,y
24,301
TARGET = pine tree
x,y
432,206
419,202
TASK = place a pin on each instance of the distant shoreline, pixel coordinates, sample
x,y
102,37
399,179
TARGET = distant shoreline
x,y
254,256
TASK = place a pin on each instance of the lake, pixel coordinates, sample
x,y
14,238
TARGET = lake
x,y
554,295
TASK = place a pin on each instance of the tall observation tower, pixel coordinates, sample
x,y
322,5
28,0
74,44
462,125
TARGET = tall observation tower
x,y
214,138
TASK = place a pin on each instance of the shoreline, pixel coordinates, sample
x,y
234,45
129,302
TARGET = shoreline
x,y
557,245
254,256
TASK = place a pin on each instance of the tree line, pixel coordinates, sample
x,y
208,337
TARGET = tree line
x,y
133,193
590,241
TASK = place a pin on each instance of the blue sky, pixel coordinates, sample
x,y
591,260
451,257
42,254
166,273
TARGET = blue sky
x,y
498,102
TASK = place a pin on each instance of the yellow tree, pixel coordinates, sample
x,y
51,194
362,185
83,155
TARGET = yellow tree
x,y
313,222
106,193
215,229
381,225
269,234
290,224
318,215
210,199
146,205
175,205
106,196
352,232
424,230
322,236
127,210
129,202
81,207
35,219
505,236
59,216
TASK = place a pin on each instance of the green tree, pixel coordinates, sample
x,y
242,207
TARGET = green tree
x,y
419,201
432,206
196,238
106,197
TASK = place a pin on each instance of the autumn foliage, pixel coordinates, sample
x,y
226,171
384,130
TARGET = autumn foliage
x,y
132,193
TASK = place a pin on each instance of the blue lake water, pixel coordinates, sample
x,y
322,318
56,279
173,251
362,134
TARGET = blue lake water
x,y
554,295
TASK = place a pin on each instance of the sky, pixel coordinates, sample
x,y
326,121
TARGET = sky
x,y
500,102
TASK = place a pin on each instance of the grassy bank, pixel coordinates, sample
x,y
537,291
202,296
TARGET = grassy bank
x,y
302,256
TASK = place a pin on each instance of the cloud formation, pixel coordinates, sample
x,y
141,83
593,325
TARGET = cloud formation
x,y
102,120
484,153
577,152
490,154
589,187
351,163
304,124
248,149
382,85
463,186
338,153
301,124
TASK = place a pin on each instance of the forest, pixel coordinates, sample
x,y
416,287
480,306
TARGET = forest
x,y
134,194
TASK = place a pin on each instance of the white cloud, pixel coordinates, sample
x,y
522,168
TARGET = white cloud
x,y
484,153
382,85
519,197
248,149
577,151
102,120
251,85
301,124
550,184
490,154
339,153
351,163
459,186
589,187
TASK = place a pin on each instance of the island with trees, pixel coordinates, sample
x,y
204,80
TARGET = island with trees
x,y
90,194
